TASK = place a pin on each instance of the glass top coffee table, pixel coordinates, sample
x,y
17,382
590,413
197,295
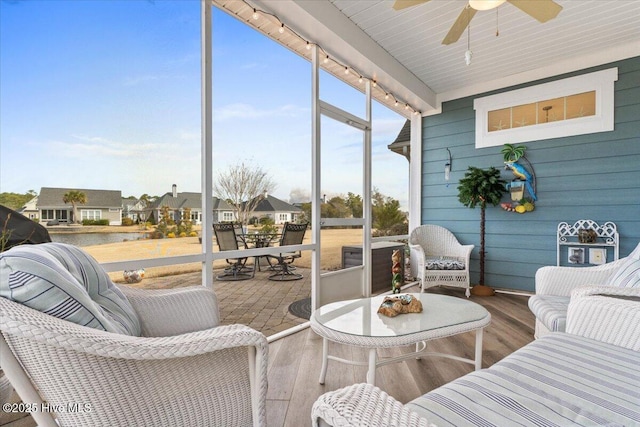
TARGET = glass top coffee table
x,y
356,322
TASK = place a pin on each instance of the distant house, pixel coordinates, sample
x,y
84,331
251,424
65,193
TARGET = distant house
x,y
276,209
402,145
101,204
179,202
30,209
134,209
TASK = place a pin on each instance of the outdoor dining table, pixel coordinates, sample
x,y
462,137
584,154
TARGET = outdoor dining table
x,y
258,240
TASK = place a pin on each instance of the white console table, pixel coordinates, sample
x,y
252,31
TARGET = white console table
x,y
606,236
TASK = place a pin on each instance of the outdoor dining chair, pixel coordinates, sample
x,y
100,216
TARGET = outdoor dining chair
x,y
292,234
228,241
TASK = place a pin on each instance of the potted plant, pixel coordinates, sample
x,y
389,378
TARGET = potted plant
x,y
480,187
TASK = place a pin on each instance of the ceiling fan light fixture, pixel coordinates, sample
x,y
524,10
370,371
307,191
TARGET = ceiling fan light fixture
x,y
485,4
467,57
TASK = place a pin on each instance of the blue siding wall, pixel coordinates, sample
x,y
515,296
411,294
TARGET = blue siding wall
x,y
595,176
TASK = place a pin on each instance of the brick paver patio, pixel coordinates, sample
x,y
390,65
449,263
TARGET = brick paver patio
x,y
259,302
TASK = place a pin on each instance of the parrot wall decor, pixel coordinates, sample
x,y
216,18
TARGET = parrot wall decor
x,y
521,173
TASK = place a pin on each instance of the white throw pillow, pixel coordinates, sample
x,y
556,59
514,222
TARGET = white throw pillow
x,y
64,281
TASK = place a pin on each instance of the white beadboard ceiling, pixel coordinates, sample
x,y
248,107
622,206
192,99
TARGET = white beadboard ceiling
x,y
402,50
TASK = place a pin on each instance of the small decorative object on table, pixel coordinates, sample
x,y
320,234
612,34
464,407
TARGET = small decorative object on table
x,y
399,304
396,271
133,276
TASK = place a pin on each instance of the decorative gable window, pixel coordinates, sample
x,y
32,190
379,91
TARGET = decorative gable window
x,y
573,106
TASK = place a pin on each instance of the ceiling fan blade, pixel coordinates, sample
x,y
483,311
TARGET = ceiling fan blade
x,y
541,10
403,4
460,25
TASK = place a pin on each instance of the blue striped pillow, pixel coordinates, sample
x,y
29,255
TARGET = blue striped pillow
x,y
64,281
628,276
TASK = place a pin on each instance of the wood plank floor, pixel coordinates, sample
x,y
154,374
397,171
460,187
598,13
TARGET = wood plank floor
x,y
295,361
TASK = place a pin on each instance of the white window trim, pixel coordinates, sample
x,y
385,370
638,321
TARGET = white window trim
x,y
91,214
600,81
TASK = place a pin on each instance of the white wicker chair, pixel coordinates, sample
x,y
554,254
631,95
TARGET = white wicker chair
x,y
433,244
185,370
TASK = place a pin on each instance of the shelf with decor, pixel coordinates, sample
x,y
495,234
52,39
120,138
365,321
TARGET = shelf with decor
x,y
587,242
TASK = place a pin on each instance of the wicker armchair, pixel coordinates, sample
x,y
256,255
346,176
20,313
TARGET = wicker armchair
x,y
185,369
442,260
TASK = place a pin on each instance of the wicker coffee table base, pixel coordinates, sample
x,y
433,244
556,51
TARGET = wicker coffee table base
x,y
375,362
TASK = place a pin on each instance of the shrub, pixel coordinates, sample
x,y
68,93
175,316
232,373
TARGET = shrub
x,y
183,234
126,221
156,235
265,220
193,234
95,222
171,235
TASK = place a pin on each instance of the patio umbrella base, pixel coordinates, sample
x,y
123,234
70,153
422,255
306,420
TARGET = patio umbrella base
x,y
482,291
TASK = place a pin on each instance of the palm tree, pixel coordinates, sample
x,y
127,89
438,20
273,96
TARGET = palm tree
x,y
477,188
75,197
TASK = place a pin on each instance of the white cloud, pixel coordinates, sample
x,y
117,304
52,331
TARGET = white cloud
x,y
96,145
136,80
252,66
246,111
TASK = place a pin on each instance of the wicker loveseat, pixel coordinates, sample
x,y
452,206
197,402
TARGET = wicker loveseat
x,y
147,358
586,376
555,283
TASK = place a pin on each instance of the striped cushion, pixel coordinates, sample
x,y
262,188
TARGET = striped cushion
x,y
551,310
558,380
65,282
443,264
628,276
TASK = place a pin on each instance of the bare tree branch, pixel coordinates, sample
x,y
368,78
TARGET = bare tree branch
x,y
243,186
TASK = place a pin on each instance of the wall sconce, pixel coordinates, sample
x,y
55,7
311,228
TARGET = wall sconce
x,y
447,167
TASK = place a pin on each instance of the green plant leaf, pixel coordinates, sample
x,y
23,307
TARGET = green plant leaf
x,y
511,153
481,186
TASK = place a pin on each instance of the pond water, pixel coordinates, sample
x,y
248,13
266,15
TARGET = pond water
x,y
90,239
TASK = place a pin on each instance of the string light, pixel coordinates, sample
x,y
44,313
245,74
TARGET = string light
x,y
387,95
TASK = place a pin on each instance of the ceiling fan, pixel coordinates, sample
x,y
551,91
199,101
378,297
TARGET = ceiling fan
x,y
541,10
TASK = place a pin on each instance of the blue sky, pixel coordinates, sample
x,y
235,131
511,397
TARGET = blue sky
x,y
106,95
